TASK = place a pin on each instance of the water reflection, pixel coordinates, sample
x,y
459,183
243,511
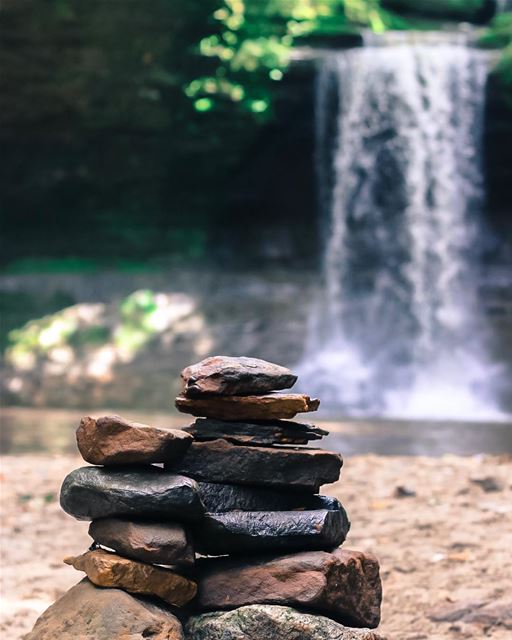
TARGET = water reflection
x,y
53,431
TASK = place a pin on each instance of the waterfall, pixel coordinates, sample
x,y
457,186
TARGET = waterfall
x,y
503,6
397,329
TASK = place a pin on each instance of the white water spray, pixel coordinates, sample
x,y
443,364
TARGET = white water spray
x,y
397,330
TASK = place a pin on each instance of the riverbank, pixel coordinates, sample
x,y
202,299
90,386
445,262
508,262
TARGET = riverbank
x,y
444,551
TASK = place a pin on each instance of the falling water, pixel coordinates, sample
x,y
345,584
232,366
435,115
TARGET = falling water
x,y
503,5
398,330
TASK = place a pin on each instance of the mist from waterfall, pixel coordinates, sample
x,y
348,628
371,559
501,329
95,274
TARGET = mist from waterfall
x,y
397,330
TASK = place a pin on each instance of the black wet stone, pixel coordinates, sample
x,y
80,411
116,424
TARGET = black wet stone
x,y
261,433
240,532
296,468
89,493
219,498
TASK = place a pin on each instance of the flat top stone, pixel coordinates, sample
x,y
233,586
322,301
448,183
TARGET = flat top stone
x,y
263,433
112,440
153,542
110,570
241,376
271,622
89,493
86,612
278,406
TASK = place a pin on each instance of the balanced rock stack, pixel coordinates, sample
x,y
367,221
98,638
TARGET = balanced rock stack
x,y
230,540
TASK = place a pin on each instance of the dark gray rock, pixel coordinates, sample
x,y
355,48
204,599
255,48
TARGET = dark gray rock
x,y
256,433
343,584
288,467
228,376
270,622
218,498
90,493
155,543
242,532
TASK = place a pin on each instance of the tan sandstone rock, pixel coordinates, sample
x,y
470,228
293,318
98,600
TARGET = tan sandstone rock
x,y
110,570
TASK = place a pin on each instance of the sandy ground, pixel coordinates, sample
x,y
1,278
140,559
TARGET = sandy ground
x,y
445,551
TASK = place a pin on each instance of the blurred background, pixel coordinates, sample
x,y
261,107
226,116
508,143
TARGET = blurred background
x,y
321,183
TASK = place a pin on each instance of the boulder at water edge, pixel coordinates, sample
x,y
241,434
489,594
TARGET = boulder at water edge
x,y
112,440
155,543
266,622
87,612
287,467
224,375
343,585
110,570
269,407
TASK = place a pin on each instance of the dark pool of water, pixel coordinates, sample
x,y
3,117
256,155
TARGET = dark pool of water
x,y
53,431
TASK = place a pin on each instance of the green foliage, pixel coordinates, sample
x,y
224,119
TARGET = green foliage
x,y
252,42
499,36
140,317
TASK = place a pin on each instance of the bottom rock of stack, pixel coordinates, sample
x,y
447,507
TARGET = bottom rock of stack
x,y
266,622
87,612
344,585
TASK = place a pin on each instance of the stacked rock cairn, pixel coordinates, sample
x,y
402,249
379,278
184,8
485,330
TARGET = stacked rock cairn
x,y
215,531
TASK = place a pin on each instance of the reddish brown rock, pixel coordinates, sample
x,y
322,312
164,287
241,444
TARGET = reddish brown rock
x,y
113,440
86,612
343,585
110,570
227,376
270,407
220,461
150,542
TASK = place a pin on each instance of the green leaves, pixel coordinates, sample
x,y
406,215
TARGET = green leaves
x,y
499,36
252,42
251,46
